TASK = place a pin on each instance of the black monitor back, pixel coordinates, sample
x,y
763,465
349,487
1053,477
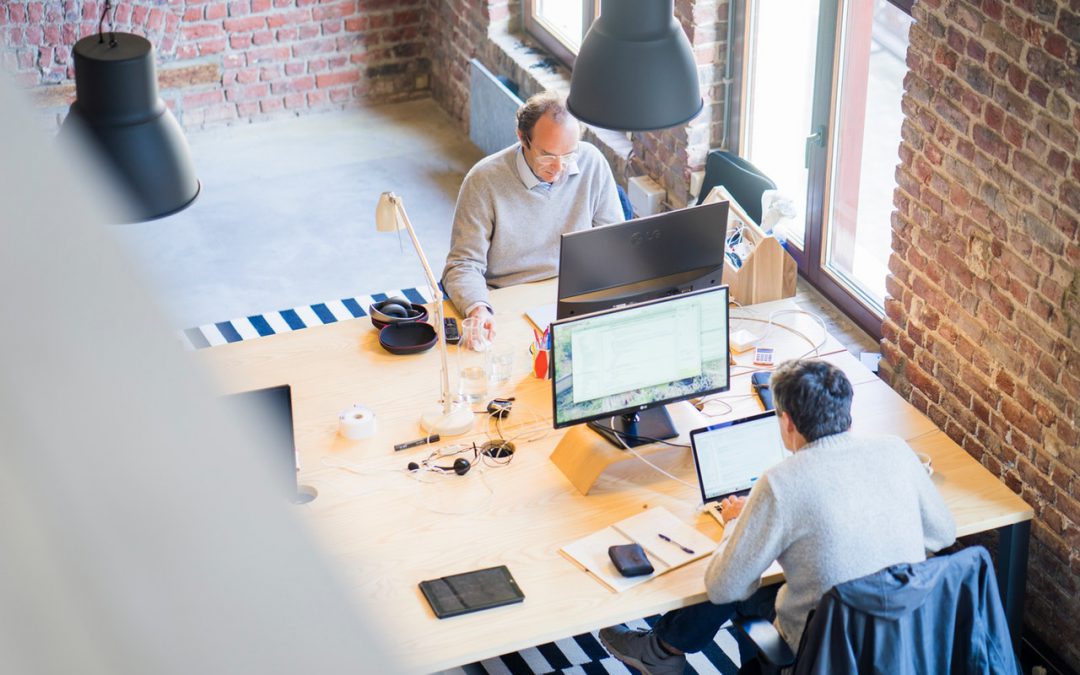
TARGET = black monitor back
x,y
666,254
272,407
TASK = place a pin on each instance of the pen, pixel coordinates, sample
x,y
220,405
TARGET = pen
x,y
420,441
672,541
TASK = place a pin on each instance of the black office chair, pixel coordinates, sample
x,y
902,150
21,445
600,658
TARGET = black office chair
x,y
741,178
942,615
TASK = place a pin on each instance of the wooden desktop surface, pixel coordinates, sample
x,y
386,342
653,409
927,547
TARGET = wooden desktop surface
x,y
387,529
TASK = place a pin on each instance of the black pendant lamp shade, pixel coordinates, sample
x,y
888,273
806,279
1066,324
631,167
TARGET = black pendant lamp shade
x,y
118,108
635,70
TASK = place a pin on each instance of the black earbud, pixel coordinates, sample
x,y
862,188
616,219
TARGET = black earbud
x,y
413,466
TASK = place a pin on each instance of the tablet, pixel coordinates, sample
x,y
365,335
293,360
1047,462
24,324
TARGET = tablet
x,y
471,591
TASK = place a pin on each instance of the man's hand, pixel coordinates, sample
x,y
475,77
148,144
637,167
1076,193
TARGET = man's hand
x,y
487,324
731,507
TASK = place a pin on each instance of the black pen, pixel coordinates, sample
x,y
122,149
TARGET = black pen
x,y
672,541
420,441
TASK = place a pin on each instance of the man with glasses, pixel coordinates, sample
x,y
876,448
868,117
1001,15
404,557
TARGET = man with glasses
x,y
514,205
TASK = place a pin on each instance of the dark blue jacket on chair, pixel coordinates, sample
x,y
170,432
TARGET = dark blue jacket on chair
x,y
942,615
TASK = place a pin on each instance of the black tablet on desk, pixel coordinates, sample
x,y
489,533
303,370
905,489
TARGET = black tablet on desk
x,y
471,591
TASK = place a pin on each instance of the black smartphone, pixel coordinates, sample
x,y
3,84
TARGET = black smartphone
x,y
471,591
450,329
760,383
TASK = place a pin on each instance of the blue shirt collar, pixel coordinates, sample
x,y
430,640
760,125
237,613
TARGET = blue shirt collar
x,y
529,179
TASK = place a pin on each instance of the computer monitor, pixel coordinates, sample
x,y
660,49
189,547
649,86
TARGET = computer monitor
x,y
665,254
617,369
272,407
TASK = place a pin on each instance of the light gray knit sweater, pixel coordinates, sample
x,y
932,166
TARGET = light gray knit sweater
x,y
840,508
505,233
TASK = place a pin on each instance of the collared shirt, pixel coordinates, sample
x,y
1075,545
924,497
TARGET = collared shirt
x,y
529,179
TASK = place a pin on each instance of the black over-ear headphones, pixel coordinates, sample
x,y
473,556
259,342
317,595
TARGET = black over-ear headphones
x,y
397,307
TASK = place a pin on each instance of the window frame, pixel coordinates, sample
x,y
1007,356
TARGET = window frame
x,y
812,257
544,33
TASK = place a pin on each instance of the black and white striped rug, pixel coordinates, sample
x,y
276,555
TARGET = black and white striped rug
x,y
584,655
293,319
577,655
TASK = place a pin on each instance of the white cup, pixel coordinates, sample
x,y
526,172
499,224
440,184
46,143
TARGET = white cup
x,y
924,459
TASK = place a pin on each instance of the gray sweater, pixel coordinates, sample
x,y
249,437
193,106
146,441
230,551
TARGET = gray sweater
x,y
507,233
840,508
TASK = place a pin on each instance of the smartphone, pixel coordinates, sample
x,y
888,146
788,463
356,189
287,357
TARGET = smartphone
x,y
450,329
760,383
471,591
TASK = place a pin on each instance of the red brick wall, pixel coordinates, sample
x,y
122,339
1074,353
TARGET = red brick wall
x,y
983,325
222,61
458,32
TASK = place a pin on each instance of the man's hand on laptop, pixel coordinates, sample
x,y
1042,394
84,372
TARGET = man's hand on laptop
x,y
731,507
487,324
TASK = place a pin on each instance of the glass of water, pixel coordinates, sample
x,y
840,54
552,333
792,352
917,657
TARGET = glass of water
x,y
473,360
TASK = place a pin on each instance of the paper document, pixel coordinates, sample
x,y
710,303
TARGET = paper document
x,y
645,528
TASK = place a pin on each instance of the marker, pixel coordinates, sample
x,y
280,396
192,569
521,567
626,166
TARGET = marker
x,y
672,541
420,441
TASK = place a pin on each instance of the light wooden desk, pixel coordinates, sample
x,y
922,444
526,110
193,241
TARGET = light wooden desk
x,y
388,530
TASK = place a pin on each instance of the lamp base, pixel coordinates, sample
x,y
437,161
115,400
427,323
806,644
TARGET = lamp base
x,y
454,423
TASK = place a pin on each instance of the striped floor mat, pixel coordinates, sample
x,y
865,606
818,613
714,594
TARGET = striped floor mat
x,y
288,320
584,655
578,655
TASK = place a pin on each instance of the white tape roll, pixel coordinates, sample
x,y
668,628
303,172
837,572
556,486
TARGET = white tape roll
x,y
357,423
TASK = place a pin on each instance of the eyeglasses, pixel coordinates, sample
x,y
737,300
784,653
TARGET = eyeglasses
x,y
551,160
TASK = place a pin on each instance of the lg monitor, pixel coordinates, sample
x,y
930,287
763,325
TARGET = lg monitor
x,y
643,259
617,369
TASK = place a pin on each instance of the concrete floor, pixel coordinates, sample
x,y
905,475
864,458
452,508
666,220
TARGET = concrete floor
x,y
286,212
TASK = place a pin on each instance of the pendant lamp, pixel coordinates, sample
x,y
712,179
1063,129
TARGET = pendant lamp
x,y
635,70
118,110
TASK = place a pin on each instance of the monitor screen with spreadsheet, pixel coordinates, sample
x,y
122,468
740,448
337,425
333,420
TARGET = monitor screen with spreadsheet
x,y
629,361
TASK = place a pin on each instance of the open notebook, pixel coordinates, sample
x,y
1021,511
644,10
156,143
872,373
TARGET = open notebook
x,y
591,552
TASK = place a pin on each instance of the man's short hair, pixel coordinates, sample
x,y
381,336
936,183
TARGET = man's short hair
x,y
815,394
536,107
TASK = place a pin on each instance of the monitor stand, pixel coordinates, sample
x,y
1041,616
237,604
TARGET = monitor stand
x,y
649,426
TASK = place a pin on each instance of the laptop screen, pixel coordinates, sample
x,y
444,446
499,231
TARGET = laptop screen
x,y
730,456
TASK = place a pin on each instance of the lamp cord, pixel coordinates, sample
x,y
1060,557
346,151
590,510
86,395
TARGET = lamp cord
x,y
112,25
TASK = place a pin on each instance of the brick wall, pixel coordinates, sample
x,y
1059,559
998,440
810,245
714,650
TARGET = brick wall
x,y
221,61
490,30
983,326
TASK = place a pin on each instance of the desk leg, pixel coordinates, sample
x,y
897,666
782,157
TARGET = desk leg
x,y
1012,574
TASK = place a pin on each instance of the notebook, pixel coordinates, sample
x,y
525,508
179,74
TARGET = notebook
x,y
591,552
731,455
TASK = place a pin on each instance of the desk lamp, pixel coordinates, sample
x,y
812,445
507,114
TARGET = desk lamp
x,y
119,112
635,70
453,417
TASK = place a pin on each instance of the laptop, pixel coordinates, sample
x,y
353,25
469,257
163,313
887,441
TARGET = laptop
x,y
272,406
730,456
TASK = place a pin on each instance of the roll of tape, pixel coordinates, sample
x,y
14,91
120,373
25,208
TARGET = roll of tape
x,y
357,423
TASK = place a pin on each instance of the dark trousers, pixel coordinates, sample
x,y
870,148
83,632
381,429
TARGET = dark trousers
x,y
691,629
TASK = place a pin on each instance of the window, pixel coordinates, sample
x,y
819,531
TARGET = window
x,y
820,115
560,25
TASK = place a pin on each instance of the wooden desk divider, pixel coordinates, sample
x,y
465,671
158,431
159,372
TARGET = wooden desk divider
x,y
768,272
584,455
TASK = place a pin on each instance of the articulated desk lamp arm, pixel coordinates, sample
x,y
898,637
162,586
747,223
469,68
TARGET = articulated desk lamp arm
x,y
453,417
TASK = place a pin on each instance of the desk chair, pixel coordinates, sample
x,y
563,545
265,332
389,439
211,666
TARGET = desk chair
x,y
741,178
942,615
